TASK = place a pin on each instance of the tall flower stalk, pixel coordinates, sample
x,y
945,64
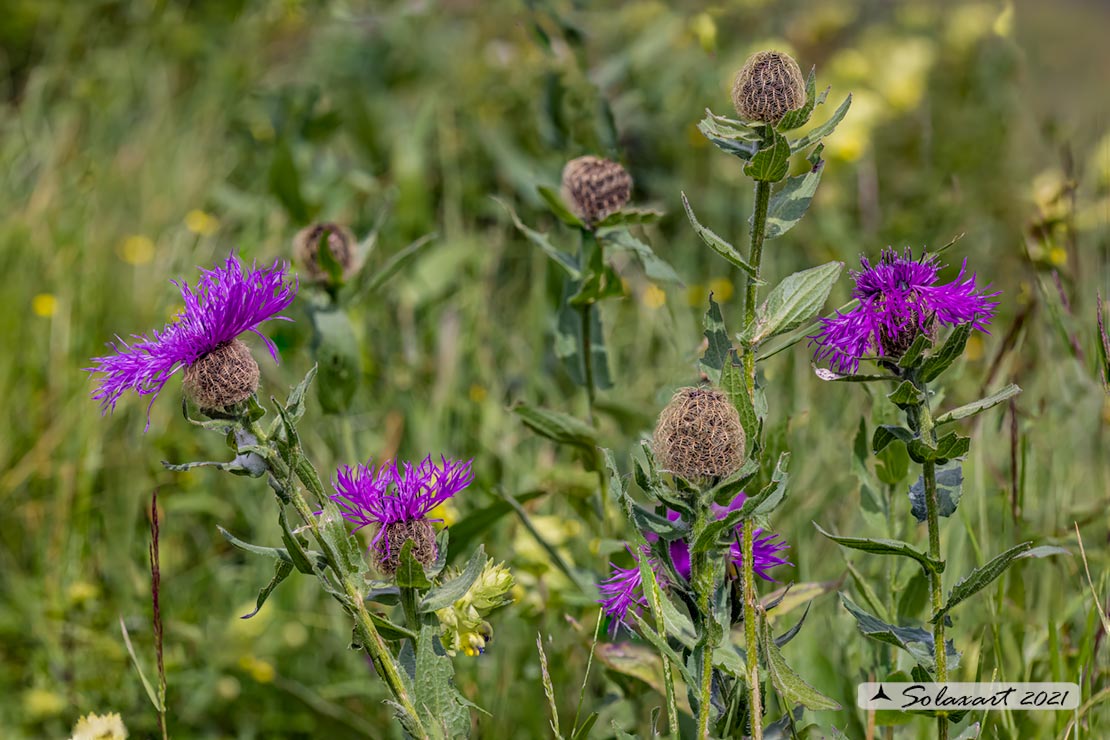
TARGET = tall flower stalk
x,y
771,98
898,322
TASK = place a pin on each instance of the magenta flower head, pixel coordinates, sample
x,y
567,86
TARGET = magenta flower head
x,y
623,590
203,339
899,300
397,503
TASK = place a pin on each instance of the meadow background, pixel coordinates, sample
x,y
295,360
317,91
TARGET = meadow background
x,y
141,139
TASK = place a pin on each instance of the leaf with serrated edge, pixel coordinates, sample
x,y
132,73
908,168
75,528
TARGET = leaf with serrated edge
x,y
790,203
824,129
556,426
793,302
771,162
980,578
881,546
975,407
716,243
789,684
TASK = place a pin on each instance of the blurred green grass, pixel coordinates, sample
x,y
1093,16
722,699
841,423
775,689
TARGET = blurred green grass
x,y
139,139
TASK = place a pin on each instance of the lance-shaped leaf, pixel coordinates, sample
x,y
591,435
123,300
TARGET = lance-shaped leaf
x,y
826,128
655,267
277,553
730,136
568,340
716,335
716,243
798,118
789,684
949,446
949,352
1104,344
557,426
370,282
975,407
558,207
772,161
439,703
950,481
564,260
448,593
793,302
881,546
790,203
626,217
887,433
980,578
914,640
282,570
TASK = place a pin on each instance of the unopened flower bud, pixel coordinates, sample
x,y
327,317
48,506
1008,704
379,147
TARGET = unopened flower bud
x,y
595,187
699,435
386,552
223,377
768,86
341,244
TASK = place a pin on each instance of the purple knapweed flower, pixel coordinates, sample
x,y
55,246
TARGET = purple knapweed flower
x,y
227,302
623,590
397,503
898,300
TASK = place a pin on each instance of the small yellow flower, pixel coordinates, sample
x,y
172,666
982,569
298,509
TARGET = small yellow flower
x,y
705,29
136,250
654,296
721,288
445,511
40,703
1058,256
201,223
228,688
260,670
696,295
81,591
44,305
477,393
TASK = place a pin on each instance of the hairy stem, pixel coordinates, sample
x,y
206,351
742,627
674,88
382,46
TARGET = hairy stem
x,y
355,603
701,572
588,240
755,258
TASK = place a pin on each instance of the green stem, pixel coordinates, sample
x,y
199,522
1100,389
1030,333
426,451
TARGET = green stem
x,y
755,703
755,258
355,603
588,360
408,603
927,430
704,578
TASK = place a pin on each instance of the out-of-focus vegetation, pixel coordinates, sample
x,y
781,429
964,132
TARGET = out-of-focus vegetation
x,y
139,139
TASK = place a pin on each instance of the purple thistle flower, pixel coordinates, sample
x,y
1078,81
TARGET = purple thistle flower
x,y
390,497
898,299
623,590
227,302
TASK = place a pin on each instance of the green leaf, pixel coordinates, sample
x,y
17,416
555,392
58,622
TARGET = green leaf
x,y
887,433
716,243
824,129
442,709
333,528
557,426
389,630
734,384
564,260
910,357
150,692
410,573
768,499
949,352
448,593
1103,345
881,546
793,302
789,684
282,570
655,267
285,184
295,403
906,395
374,281
1044,551
950,481
980,578
559,208
790,203
568,340
914,640
949,446
335,349
731,137
772,161
626,217
975,407
798,118
719,344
